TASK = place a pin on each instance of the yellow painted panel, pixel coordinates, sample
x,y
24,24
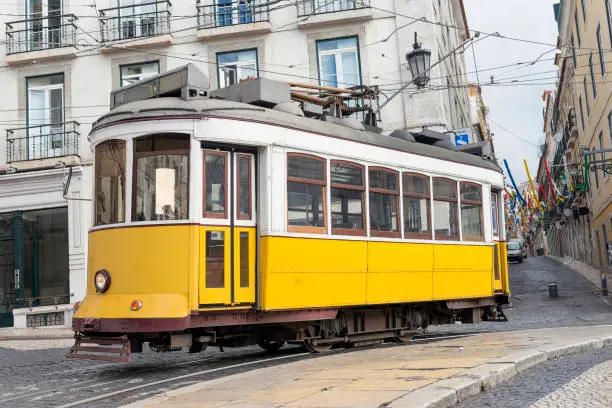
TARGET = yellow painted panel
x,y
497,283
399,272
504,264
108,305
301,272
462,271
194,266
244,292
215,256
141,260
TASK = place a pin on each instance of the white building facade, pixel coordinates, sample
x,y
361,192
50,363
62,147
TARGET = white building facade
x,y
62,59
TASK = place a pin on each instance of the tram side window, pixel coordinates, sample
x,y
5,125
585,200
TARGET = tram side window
x,y
495,213
347,192
306,184
110,182
215,181
471,211
445,209
417,211
384,197
161,168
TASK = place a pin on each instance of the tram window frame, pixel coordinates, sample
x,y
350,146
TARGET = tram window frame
x,y
205,213
454,200
471,203
352,187
427,197
175,138
120,206
495,213
394,193
312,182
249,215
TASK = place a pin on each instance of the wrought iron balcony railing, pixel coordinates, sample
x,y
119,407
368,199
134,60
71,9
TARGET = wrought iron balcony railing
x,y
42,142
311,7
135,21
222,13
53,31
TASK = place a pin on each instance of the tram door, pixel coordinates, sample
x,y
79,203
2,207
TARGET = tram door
x,y
227,237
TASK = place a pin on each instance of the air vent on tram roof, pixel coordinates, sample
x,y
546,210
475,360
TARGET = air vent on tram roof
x,y
186,82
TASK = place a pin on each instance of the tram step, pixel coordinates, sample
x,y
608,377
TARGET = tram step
x,y
83,348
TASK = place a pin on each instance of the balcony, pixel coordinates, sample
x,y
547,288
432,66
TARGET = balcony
x,y
322,12
42,145
147,23
47,37
224,18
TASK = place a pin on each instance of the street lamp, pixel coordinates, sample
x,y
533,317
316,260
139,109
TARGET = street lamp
x,y
419,61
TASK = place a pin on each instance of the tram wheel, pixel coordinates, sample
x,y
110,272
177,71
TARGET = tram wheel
x,y
317,348
402,339
271,345
197,347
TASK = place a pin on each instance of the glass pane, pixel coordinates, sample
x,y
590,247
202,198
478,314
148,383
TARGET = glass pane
x,y
383,212
337,43
445,219
110,182
215,183
238,65
416,184
383,179
56,111
137,72
350,72
161,188
471,224
494,214
305,168
244,171
215,259
244,259
416,220
347,208
445,189
161,143
45,80
346,174
470,192
328,71
305,204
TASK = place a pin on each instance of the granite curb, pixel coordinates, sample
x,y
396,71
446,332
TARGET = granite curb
x,y
443,393
40,334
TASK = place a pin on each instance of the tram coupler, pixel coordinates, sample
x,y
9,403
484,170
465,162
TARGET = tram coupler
x,y
101,348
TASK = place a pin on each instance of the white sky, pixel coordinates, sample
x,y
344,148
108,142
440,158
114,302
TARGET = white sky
x,y
517,108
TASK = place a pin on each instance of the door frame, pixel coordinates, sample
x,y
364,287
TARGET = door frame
x,y
231,224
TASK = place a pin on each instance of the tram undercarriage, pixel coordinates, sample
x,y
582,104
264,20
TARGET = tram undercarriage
x,y
346,327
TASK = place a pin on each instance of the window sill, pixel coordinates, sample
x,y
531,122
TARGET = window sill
x,y
38,164
41,55
119,45
340,17
261,27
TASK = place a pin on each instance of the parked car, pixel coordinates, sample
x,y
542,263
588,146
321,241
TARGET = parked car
x,y
515,251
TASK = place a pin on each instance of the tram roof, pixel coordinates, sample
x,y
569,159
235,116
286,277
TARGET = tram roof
x,y
177,107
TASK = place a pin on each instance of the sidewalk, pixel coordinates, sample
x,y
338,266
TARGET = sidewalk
x,y
39,333
585,270
437,374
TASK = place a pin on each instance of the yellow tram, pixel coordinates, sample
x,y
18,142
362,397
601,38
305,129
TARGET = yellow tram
x,y
231,218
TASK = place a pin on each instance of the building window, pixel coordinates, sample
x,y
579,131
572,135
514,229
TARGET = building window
x,y
161,168
110,182
602,60
45,116
445,209
584,16
236,66
215,181
596,172
132,73
416,205
347,198
605,243
234,12
495,214
586,97
384,194
338,61
609,18
592,70
573,51
577,29
603,155
306,177
581,111
471,211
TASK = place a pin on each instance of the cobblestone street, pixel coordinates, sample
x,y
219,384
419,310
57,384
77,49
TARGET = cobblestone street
x,y
35,373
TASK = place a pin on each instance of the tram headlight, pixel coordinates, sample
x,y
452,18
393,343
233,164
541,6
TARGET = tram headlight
x,y
102,281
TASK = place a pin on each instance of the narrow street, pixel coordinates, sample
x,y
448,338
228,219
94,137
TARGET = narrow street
x,y
35,373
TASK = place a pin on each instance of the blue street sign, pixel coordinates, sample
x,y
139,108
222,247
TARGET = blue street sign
x,y
462,139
